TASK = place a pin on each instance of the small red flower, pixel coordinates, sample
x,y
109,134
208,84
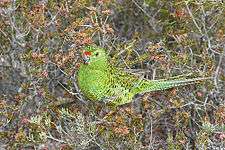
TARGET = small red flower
x,y
77,65
24,120
200,94
44,74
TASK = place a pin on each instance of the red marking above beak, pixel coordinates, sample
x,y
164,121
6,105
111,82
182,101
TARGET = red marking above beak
x,y
87,53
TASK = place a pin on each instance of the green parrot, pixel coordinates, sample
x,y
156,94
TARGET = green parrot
x,y
98,80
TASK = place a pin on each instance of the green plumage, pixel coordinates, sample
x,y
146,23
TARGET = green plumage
x,y
98,80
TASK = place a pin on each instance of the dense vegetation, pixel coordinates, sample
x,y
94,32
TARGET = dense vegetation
x,y
40,52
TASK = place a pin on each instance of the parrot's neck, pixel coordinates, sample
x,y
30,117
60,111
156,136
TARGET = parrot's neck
x,y
100,64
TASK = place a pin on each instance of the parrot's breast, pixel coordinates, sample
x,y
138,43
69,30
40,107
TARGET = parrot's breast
x,y
93,83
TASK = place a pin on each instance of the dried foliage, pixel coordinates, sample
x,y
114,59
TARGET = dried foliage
x,y
40,52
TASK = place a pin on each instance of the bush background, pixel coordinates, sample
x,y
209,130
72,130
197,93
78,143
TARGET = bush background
x,y
40,52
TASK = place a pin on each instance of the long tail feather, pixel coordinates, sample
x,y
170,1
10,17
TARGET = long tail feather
x,y
156,85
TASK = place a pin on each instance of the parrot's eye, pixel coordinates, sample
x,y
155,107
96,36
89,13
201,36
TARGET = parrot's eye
x,y
96,54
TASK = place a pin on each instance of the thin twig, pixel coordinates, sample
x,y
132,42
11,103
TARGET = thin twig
x,y
218,69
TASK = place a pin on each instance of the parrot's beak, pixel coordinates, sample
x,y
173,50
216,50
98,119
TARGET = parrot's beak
x,y
86,57
86,60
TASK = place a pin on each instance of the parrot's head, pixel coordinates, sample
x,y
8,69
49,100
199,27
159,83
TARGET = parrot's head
x,y
93,54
